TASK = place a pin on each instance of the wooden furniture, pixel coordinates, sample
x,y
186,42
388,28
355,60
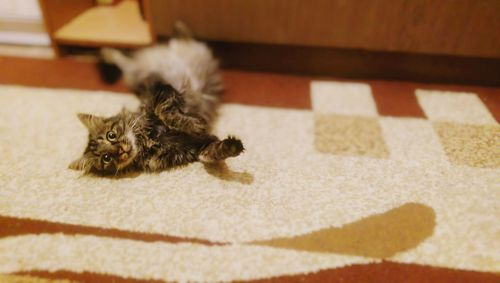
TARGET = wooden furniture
x,y
82,23
455,41
445,27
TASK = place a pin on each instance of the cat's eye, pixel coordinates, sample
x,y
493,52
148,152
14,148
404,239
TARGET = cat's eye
x,y
106,158
111,136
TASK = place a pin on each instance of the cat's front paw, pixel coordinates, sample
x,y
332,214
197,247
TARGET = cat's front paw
x,y
232,146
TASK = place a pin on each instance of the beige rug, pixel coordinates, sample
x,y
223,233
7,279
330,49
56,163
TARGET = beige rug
x,y
317,190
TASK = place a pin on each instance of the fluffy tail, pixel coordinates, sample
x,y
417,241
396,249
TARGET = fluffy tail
x,y
182,31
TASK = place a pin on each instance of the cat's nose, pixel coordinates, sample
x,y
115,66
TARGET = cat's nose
x,y
124,148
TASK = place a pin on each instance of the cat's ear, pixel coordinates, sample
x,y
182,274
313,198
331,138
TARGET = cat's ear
x,y
90,121
79,164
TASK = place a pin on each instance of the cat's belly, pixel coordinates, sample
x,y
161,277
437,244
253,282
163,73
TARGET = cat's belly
x,y
163,150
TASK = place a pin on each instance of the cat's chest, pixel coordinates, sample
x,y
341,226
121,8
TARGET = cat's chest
x,y
150,136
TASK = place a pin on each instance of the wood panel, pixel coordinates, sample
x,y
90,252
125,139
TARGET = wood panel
x,y
57,13
147,15
452,27
106,25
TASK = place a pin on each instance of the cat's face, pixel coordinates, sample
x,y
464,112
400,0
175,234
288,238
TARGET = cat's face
x,y
111,146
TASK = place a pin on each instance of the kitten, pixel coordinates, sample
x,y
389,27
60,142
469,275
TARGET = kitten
x,y
179,87
185,63
159,136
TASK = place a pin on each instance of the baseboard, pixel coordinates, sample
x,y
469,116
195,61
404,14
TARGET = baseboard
x,y
359,64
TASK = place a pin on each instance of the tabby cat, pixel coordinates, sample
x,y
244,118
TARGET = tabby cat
x,y
179,87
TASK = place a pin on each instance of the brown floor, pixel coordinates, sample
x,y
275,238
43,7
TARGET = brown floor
x,y
241,87
263,89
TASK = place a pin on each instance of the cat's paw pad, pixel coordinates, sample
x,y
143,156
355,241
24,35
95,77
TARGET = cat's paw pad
x,y
232,146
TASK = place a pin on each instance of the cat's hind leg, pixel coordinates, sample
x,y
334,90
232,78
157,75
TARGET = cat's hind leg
x,y
169,106
221,149
115,56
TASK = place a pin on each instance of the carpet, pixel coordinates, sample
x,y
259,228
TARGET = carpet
x,y
338,190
